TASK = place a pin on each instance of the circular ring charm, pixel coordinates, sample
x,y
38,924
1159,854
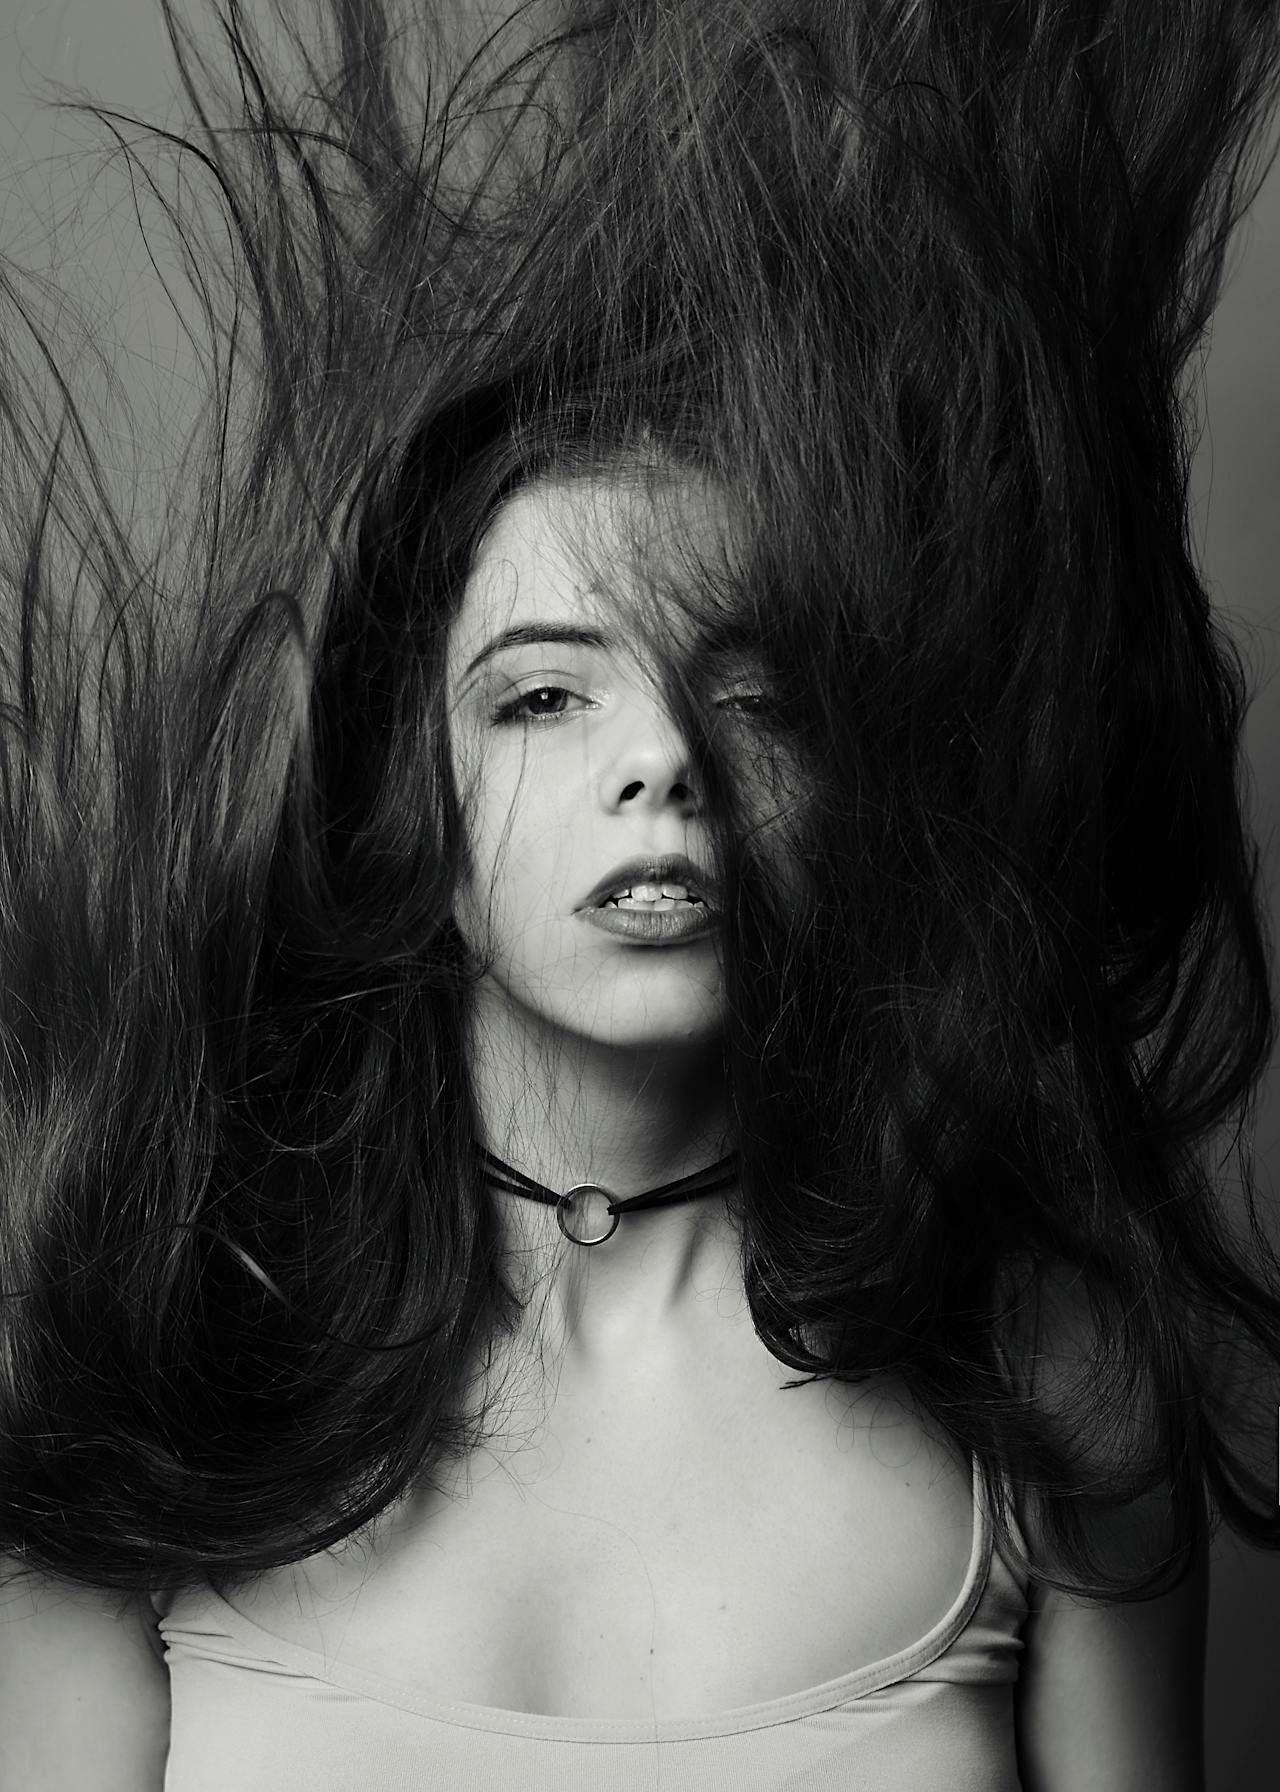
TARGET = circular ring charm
x,y
573,1206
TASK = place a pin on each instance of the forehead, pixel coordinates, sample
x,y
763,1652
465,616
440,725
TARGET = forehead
x,y
556,549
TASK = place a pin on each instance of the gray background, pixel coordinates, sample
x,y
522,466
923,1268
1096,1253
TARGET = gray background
x,y
115,49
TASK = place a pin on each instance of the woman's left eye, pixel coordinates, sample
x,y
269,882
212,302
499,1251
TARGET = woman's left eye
x,y
510,710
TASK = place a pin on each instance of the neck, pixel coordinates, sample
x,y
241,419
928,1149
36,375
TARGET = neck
x,y
566,1110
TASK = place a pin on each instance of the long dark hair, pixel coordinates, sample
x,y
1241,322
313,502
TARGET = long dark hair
x,y
918,286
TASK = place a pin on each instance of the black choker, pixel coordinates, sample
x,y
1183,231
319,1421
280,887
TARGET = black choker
x,y
574,1202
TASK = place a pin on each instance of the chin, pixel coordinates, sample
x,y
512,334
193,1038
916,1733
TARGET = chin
x,y
655,1031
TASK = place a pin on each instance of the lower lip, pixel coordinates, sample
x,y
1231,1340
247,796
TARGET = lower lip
x,y
662,927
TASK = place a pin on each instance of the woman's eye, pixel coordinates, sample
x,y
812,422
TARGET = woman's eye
x,y
752,703
511,710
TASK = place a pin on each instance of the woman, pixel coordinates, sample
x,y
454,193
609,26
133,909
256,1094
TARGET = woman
x,y
669,811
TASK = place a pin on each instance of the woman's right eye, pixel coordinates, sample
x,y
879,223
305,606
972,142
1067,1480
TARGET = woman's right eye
x,y
510,711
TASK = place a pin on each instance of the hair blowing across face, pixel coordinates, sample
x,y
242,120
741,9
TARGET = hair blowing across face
x,y
918,286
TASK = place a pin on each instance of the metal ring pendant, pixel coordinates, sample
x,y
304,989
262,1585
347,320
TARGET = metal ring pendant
x,y
573,1206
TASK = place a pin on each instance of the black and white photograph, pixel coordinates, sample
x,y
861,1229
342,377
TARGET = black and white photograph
x,y
639,895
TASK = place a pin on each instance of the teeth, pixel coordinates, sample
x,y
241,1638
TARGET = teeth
x,y
653,893
663,902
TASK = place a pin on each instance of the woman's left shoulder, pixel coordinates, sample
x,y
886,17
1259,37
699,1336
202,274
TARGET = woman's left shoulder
x,y
1111,1694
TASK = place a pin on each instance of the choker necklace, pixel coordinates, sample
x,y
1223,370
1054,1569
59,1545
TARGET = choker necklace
x,y
574,1203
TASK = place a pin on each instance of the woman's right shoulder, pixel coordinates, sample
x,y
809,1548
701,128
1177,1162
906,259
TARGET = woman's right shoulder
x,y
84,1691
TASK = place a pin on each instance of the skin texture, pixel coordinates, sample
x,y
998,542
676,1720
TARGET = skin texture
x,y
84,1692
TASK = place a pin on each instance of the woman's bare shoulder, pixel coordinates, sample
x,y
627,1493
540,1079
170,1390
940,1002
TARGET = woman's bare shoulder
x,y
84,1692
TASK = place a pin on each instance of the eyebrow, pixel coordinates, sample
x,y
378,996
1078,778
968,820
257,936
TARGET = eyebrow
x,y
524,634
727,637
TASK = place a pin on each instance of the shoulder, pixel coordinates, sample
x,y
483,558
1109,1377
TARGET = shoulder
x,y
84,1695
1111,1692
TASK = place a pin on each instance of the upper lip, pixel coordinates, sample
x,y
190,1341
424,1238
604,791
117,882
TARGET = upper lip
x,y
671,868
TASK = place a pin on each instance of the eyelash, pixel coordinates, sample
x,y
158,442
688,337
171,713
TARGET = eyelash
x,y
507,712
505,715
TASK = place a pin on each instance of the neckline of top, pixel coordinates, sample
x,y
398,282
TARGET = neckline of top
x,y
858,1683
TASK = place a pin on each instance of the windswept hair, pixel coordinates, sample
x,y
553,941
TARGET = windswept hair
x,y
918,284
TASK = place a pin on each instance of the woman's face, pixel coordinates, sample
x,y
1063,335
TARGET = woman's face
x,y
569,765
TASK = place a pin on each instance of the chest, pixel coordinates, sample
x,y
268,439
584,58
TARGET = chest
x,y
648,1550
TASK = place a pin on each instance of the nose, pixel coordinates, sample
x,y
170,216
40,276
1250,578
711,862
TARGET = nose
x,y
650,767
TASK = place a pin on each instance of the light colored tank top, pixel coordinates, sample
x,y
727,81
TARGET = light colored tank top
x,y
255,1713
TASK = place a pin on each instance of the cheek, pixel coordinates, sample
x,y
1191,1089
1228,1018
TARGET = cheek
x,y
517,839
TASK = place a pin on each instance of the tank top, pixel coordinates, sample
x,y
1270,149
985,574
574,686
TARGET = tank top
x,y
256,1712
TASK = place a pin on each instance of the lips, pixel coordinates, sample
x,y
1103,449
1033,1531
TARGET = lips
x,y
671,869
